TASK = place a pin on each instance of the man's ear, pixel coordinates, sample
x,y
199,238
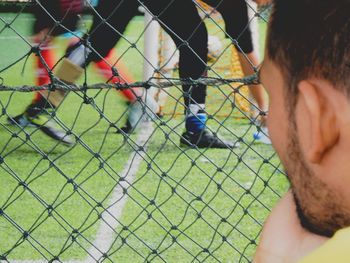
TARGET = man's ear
x,y
323,130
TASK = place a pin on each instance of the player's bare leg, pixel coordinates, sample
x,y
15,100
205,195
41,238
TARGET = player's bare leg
x,y
248,63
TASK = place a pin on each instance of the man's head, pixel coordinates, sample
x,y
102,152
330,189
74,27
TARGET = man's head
x,y
307,75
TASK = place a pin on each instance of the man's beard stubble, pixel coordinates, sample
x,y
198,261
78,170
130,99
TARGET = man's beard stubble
x,y
319,208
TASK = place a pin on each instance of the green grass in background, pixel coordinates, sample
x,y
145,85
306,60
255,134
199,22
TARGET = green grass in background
x,y
184,205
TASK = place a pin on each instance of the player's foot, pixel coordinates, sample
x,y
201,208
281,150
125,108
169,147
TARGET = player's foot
x,y
262,135
47,125
19,120
139,111
127,128
160,112
205,139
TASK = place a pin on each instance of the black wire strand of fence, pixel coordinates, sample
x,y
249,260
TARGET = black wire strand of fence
x,y
115,196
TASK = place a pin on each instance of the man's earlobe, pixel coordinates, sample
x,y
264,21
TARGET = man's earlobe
x,y
323,132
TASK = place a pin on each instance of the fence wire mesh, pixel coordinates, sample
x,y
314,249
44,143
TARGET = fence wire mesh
x,y
93,175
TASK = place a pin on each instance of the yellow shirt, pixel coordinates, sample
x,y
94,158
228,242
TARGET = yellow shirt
x,y
335,250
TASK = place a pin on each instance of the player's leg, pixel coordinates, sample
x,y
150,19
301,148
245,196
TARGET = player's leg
x,y
104,68
108,27
45,59
45,29
40,112
190,36
235,15
118,14
43,63
109,23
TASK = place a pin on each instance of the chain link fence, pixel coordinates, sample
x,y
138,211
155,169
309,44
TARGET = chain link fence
x,y
96,167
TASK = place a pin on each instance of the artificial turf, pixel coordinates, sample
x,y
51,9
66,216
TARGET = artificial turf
x,y
184,205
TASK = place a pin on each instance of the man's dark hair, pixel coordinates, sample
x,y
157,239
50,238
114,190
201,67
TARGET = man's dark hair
x,y
311,38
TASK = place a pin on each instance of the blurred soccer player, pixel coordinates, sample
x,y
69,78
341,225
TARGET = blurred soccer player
x,y
45,29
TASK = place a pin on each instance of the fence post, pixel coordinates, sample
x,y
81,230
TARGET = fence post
x,y
151,45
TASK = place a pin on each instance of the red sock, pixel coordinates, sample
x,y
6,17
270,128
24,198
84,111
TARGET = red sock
x,y
125,77
48,55
42,75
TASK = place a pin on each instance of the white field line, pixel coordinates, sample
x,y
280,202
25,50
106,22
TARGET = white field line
x,y
104,238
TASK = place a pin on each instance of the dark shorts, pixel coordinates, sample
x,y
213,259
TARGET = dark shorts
x,y
49,11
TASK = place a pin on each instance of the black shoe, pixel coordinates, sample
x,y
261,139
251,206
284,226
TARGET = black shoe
x,y
205,139
46,124
19,120
160,115
160,112
126,129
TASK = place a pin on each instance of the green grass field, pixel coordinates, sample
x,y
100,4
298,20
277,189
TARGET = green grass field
x,y
184,205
